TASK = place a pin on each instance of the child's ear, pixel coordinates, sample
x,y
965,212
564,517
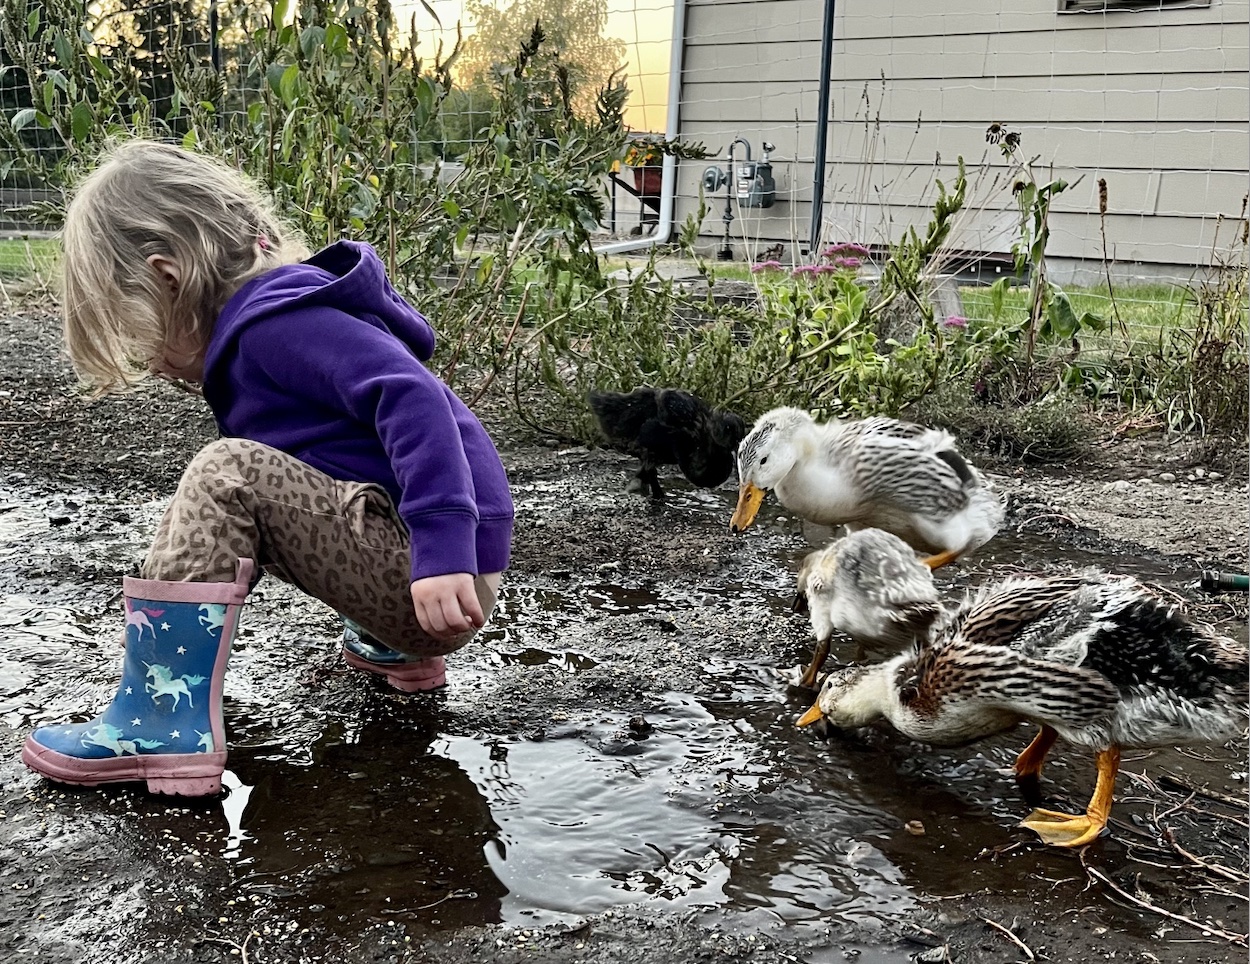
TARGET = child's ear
x,y
168,271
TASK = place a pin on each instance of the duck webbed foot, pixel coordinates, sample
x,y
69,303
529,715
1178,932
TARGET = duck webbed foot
x,y
1064,829
1075,830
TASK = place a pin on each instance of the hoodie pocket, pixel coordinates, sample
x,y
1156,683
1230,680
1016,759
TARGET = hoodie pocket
x,y
372,517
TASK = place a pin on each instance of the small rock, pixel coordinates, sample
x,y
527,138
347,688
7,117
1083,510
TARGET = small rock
x,y
1121,485
1200,472
1190,478
1215,476
640,727
914,827
1167,477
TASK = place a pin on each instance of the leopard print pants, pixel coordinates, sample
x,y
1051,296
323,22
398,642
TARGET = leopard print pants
x,y
342,542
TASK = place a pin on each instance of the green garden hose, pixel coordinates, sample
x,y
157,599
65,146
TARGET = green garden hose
x,y
1216,581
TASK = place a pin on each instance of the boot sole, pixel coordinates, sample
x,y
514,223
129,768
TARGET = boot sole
x,y
414,677
173,774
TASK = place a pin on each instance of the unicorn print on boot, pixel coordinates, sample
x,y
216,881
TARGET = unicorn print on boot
x,y
165,724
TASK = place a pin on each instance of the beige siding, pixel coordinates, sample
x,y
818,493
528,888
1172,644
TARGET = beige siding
x,y
1155,102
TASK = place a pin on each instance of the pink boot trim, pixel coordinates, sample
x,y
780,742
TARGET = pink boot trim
x,y
230,593
177,774
410,677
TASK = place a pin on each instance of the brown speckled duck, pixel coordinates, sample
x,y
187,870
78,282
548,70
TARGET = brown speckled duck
x,y
1094,659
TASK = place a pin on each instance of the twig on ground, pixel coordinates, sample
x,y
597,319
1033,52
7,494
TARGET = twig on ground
x,y
241,948
1222,892
1219,870
1048,515
450,895
1176,781
1010,936
1184,804
1239,939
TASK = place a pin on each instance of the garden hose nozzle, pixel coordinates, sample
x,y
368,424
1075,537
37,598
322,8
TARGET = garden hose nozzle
x,y
1215,581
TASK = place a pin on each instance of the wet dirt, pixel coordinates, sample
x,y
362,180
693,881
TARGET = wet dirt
x,y
613,772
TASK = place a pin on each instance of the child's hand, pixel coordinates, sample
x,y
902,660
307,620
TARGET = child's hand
x,y
447,605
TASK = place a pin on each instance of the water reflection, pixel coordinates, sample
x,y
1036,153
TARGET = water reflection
x,y
378,826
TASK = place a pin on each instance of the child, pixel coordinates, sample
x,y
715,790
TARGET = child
x,y
345,467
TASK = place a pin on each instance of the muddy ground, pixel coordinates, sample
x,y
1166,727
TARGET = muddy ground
x,y
613,773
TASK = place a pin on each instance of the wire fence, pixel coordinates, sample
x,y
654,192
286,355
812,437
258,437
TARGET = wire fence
x,y
159,67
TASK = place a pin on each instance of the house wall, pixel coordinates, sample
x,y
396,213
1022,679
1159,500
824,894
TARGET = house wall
x,y
1156,102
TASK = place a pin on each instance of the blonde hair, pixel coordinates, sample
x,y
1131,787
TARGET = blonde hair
x,y
146,198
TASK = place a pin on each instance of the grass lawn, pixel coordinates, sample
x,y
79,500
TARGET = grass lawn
x,y
1143,309
24,258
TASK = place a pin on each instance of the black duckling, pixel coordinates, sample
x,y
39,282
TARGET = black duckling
x,y
667,426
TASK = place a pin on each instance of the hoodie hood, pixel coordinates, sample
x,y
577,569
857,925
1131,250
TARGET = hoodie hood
x,y
348,275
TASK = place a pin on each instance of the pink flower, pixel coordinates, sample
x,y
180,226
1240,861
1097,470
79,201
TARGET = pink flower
x,y
765,266
955,321
804,269
845,248
847,262
823,269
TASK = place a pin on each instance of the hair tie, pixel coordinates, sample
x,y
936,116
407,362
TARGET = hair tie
x,y
262,242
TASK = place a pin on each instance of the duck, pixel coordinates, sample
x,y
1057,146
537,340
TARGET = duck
x,y
1098,660
667,426
874,472
872,586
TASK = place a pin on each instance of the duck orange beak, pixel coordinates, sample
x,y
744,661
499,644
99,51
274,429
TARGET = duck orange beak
x,y
749,499
811,716
941,559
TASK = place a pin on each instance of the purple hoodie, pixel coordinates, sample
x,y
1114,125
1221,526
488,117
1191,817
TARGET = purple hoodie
x,y
322,360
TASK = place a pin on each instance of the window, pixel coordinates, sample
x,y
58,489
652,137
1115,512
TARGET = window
x,y
1111,6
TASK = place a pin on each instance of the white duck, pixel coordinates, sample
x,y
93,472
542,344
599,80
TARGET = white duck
x,y
874,472
872,587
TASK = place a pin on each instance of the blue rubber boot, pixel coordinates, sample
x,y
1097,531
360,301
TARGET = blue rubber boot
x,y
165,724
406,673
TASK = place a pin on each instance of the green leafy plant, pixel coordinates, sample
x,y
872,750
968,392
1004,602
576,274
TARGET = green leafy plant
x,y
809,340
1051,316
649,150
334,108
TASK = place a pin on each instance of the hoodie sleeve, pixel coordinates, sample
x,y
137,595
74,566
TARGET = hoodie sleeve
x,y
334,359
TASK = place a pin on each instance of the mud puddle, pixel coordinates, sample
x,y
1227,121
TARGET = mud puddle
x,y
618,738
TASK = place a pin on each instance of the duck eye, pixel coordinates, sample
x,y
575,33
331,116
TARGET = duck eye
x,y
764,460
